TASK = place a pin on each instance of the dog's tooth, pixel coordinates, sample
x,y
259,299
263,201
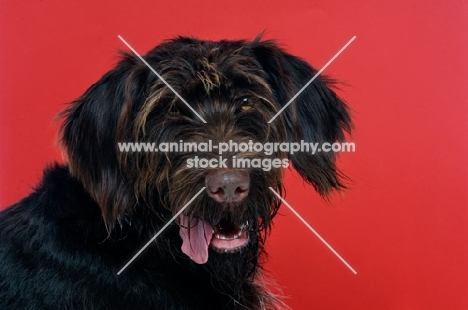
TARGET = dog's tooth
x,y
218,236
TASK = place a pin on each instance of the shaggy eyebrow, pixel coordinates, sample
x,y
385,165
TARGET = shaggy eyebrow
x,y
161,78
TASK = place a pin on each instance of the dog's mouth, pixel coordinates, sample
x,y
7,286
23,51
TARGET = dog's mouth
x,y
224,237
229,237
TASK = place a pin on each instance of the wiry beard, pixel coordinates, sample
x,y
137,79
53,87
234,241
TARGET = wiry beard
x,y
231,272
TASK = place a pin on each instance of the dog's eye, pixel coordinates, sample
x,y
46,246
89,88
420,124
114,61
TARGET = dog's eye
x,y
178,108
174,111
246,105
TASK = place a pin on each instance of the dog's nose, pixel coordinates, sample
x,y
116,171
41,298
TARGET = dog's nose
x,y
228,185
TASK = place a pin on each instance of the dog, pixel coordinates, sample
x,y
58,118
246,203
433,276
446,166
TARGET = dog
x,y
62,246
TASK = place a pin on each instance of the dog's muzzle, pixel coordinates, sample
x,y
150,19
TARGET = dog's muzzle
x,y
225,187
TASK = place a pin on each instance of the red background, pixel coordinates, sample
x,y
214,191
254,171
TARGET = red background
x,y
403,223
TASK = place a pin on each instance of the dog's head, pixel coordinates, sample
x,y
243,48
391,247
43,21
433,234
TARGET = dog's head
x,y
237,87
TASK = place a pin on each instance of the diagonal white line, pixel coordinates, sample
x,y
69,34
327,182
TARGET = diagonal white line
x,y
313,230
160,231
313,78
162,79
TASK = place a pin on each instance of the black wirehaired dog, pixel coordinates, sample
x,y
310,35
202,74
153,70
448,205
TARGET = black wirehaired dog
x,y
62,247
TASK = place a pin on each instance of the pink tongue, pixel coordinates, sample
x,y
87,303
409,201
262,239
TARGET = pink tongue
x,y
195,245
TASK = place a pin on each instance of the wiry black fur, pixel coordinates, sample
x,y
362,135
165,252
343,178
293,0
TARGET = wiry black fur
x,y
55,254
61,247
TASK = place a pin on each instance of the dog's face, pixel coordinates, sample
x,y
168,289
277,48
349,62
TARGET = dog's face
x,y
236,87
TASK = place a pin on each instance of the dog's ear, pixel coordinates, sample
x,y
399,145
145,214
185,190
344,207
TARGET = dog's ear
x,y
89,135
317,115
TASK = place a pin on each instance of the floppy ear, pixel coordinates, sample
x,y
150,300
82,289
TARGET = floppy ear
x,y
89,135
317,115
